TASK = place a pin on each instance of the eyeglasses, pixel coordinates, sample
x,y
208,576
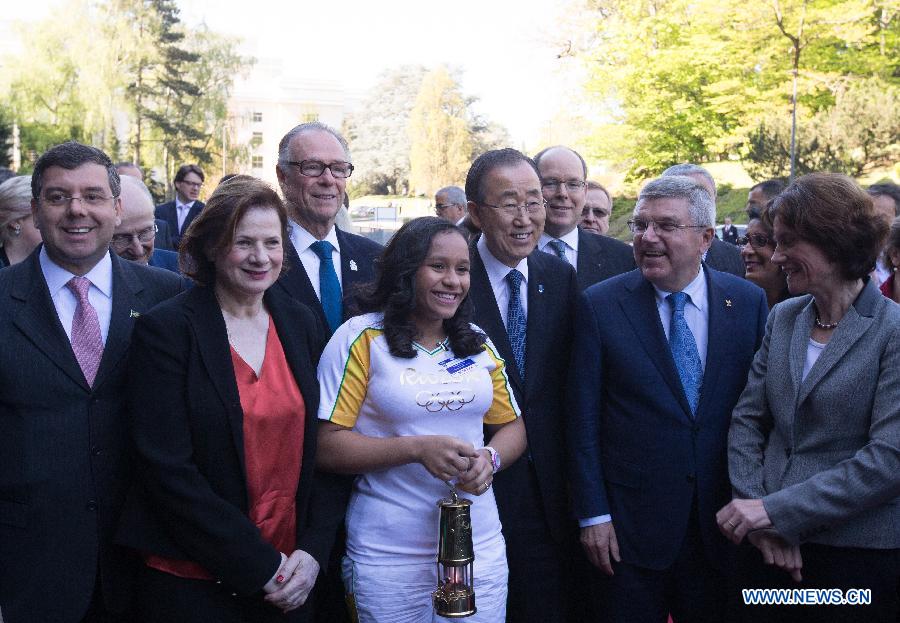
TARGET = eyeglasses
x,y
511,209
315,168
145,235
639,226
440,208
571,185
191,184
757,241
58,200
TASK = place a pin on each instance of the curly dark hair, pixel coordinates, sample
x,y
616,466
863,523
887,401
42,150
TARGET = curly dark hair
x,y
832,212
213,229
394,290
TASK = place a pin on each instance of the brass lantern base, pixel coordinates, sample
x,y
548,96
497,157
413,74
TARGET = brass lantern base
x,y
454,600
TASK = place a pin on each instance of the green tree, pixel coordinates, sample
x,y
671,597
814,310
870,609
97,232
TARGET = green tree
x,y
378,134
440,133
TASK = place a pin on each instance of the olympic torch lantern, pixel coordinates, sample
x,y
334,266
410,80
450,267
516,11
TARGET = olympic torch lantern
x,y
455,594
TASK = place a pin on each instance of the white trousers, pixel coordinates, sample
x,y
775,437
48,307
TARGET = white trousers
x,y
402,593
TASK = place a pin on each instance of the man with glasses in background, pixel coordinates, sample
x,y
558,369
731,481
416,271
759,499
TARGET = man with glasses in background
x,y
66,315
450,204
134,238
563,175
661,356
523,299
328,265
179,212
597,209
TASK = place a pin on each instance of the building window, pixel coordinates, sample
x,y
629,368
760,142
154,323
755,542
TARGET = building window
x,y
256,162
257,117
257,138
309,116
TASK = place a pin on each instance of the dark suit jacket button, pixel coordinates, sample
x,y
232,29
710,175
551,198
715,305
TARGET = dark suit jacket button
x,y
96,451
691,478
91,505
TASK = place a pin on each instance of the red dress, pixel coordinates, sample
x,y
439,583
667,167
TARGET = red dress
x,y
274,417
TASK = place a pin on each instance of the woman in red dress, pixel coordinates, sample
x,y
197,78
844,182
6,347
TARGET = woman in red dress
x,y
223,400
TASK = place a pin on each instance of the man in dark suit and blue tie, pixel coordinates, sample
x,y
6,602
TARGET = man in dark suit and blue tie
x,y
523,300
661,356
563,182
66,315
327,264
186,205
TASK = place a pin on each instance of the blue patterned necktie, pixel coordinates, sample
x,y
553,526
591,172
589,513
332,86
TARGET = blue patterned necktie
x,y
329,286
684,350
560,247
515,320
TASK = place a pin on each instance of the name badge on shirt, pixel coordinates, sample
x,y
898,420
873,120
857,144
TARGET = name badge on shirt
x,y
453,365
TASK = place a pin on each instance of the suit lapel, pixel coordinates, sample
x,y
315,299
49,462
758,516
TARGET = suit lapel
x,y
487,316
640,310
799,342
125,303
38,321
536,327
588,262
721,324
215,352
297,283
852,327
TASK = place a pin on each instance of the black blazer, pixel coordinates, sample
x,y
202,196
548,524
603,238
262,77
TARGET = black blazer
x,y
187,427
359,250
601,257
163,236
64,460
552,290
725,258
168,213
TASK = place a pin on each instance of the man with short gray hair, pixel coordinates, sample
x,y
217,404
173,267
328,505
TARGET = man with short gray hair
x,y
721,255
135,236
660,357
450,204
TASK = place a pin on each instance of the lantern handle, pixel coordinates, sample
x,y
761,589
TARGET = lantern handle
x,y
455,498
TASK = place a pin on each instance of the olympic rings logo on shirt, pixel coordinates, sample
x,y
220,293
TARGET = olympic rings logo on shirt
x,y
433,402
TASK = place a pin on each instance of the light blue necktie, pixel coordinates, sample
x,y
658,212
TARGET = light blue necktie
x,y
684,350
329,286
560,247
515,320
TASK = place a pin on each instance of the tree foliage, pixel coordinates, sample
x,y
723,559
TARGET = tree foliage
x,y
694,80
125,76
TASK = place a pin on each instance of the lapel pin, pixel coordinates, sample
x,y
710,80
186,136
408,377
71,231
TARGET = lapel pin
x,y
352,265
134,314
540,288
727,302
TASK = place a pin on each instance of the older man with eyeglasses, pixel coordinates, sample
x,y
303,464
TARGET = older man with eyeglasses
x,y
660,357
135,236
564,186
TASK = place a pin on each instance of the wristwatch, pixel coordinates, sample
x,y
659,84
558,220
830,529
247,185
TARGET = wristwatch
x,y
495,458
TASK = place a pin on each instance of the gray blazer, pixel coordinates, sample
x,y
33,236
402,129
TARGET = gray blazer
x,y
824,453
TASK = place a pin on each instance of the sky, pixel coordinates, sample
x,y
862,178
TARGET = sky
x,y
507,49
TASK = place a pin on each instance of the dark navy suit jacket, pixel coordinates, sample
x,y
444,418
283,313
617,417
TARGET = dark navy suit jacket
x,y
164,259
551,291
168,213
601,257
357,269
635,451
64,452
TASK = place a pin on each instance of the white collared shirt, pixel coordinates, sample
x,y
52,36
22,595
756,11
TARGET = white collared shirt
x,y
496,272
302,241
181,210
696,312
571,242
65,301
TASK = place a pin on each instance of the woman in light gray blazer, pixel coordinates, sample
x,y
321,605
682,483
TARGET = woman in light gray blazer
x,y
814,443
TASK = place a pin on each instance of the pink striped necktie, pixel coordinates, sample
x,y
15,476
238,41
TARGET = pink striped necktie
x,y
87,343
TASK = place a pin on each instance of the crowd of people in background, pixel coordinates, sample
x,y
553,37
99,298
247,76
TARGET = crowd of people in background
x,y
240,411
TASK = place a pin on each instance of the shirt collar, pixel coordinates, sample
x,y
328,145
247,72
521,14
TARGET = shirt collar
x,y
302,239
571,239
57,277
179,205
696,290
497,270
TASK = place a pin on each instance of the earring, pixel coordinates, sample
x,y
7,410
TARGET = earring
x,y
17,230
